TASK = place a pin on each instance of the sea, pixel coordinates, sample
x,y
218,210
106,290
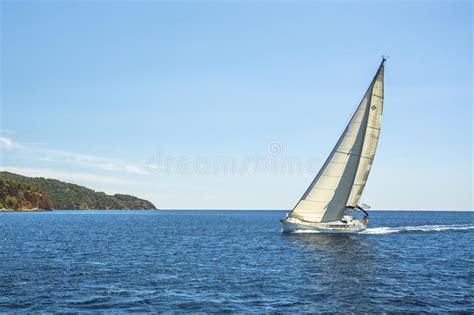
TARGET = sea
x,y
233,261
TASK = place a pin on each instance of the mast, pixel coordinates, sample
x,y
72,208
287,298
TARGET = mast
x,y
349,163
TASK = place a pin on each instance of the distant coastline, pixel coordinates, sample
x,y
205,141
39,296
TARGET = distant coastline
x,y
22,193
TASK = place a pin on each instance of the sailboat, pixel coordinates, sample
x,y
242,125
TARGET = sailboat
x,y
340,182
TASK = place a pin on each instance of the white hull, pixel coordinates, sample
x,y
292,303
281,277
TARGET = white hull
x,y
293,225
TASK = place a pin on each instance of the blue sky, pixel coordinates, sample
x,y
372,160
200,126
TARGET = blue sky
x,y
155,98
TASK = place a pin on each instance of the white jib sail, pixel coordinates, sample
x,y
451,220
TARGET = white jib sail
x,y
342,178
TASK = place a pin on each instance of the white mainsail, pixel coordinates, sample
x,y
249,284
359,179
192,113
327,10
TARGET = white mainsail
x,y
342,179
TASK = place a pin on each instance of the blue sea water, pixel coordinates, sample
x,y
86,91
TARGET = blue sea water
x,y
233,261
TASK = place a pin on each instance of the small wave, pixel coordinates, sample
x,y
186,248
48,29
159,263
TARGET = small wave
x,y
421,228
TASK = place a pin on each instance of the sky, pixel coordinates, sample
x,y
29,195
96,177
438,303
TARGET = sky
x,y
236,104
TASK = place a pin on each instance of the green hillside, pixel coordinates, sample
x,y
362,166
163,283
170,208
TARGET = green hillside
x,y
68,196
